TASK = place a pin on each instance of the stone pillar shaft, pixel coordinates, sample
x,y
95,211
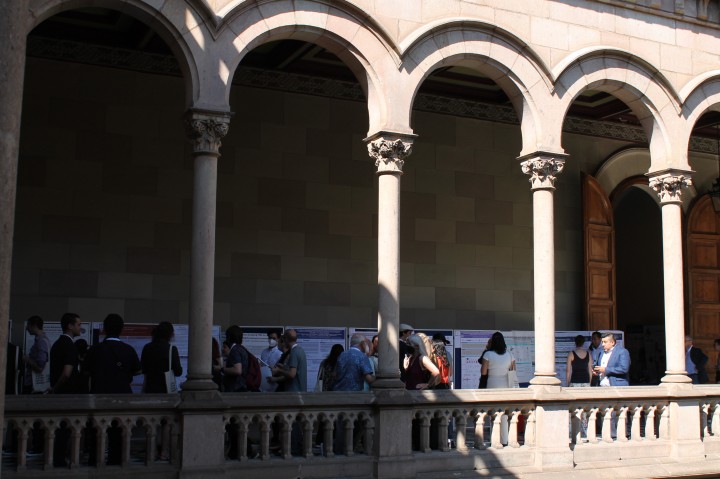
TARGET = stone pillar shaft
x,y
13,21
389,152
669,185
206,130
542,168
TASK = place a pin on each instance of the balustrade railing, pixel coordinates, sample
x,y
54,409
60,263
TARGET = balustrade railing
x,y
438,431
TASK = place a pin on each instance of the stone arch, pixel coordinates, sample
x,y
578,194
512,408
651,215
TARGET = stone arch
x,y
168,22
504,58
362,45
637,83
703,96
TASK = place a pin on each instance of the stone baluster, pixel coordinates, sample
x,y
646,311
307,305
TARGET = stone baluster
x,y
286,435
480,429
126,431
100,442
307,428
205,130
174,442
348,423
441,434
664,427
704,427
151,427
607,424
543,168
328,426
368,434
49,427
513,431
622,424
265,429
635,428
242,443
75,437
592,425
424,431
576,424
389,152
530,436
650,419
495,439
669,184
23,432
460,431
715,426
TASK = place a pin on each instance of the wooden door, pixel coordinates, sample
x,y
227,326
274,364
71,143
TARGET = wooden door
x,y
703,244
599,255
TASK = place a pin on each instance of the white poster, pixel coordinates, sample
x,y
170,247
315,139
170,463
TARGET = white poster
x,y
469,345
522,346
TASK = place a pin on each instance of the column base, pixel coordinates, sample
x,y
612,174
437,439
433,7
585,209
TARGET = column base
x,y
199,384
388,382
676,377
545,381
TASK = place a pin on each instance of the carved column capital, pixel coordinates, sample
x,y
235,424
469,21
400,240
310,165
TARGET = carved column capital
x,y
389,152
206,130
543,169
669,184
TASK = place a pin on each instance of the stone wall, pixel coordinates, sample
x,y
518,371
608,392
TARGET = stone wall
x,y
105,188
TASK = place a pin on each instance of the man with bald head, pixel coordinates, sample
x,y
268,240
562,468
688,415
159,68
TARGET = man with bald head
x,y
353,367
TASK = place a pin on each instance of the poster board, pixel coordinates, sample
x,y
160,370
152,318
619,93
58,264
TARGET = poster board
x,y
317,343
468,346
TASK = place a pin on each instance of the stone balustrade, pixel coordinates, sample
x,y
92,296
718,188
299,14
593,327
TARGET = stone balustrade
x,y
426,433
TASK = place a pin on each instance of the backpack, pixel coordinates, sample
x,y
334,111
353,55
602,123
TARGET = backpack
x,y
442,362
253,376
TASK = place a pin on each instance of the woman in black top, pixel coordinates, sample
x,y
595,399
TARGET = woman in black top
x,y
154,359
579,367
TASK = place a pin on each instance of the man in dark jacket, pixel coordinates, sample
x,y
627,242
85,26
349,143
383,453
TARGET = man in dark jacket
x,y
695,361
112,365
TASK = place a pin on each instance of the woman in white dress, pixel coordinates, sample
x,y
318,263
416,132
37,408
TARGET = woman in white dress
x,y
496,364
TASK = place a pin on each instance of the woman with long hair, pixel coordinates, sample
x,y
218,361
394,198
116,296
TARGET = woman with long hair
x,y
327,371
420,369
496,364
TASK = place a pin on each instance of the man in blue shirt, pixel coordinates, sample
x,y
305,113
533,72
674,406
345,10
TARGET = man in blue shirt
x,y
353,367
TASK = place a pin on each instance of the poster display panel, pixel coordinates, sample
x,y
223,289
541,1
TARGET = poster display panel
x,y
468,346
317,343
522,346
138,335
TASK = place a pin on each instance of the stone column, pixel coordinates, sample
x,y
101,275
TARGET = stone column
x,y
13,21
668,184
205,129
542,168
389,151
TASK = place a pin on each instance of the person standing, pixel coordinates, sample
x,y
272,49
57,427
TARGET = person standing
x,y
294,373
112,364
496,364
327,372
236,362
405,350
39,354
695,362
614,367
64,377
353,367
155,358
595,350
420,368
579,365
